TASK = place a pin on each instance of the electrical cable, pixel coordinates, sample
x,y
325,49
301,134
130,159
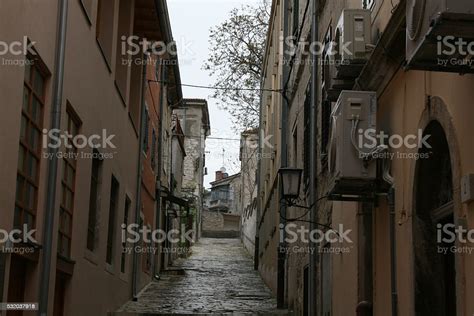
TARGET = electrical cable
x,y
306,213
216,87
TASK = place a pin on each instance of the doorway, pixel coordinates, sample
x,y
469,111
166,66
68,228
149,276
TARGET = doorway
x,y
17,282
435,274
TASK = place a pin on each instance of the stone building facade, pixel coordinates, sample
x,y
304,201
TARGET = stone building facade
x,y
248,173
222,217
194,117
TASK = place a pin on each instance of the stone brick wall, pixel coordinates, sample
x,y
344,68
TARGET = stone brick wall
x,y
220,225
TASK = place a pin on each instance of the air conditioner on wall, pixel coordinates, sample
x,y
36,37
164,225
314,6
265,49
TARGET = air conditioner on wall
x,y
354,31
346,56
352,174
429,22
332,85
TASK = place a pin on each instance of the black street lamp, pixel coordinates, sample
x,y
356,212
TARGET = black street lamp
x,y
291,181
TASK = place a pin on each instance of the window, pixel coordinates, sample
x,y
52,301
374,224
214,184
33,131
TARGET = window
x,y
295,147
135,94
114,192
122,58
105,27
94,202
124,243
325,128
27,181
221,193
368,4
146,122
153,149
327,62
68,189
307,133
326,288
296,17
306,297
148,257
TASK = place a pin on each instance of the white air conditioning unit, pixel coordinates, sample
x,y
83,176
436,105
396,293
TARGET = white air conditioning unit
x,y
333,85
353,38
352,172
429,23
348,53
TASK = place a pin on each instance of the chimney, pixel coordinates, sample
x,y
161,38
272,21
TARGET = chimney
x,y
221,174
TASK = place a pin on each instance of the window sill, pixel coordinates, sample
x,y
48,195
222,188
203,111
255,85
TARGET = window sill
x,y
65,265
91,257
109,269
106,60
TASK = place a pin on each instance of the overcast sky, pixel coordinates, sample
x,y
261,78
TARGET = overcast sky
x,y
190,22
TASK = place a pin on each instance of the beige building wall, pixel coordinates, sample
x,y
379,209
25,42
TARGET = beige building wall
x,y
11,90
407,103
403,110
90,90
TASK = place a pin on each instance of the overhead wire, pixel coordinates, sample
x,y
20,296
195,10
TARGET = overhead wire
x,y
217,87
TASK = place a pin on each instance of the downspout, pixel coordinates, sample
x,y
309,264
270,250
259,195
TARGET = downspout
x,y
156,272
258,171
313,172
281,253
393,251
53,163
135,276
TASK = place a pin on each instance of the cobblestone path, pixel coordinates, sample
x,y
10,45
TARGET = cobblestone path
x,y
218,279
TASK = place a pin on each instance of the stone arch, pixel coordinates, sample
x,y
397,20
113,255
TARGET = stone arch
x,y
436,201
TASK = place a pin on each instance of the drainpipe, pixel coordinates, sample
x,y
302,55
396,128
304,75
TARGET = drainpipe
x,y
313,172
53,163
281,276
156,272
257,177
393,251
135,275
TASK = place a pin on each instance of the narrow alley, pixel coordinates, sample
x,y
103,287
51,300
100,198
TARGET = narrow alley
x,y
217,278
240,157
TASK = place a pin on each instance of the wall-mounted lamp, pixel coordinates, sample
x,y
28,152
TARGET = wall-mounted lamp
x,y
291,182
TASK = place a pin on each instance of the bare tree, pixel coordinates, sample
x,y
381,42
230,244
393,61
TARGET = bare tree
x,y
237,48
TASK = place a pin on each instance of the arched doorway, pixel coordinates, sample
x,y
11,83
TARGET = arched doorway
x,y
435,274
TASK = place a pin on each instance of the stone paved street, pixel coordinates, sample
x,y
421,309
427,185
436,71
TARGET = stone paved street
x,y
218,279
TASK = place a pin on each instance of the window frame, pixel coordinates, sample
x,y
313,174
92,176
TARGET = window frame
x,y
94,201
23,204
68,164
111,229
